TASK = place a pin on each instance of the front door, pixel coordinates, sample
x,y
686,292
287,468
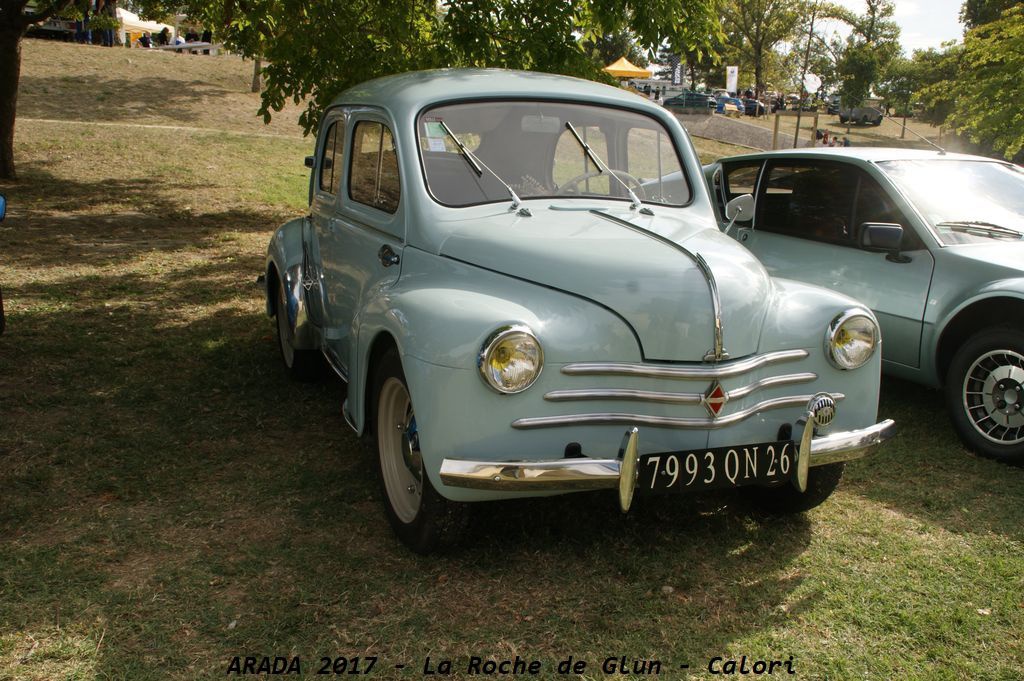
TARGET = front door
x,y
806,226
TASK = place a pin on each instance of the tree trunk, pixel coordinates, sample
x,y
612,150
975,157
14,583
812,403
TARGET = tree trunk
x,y
257,71
10,71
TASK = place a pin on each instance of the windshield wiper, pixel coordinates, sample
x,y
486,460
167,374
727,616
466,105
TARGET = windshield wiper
x,y
603,168
474,162
981,228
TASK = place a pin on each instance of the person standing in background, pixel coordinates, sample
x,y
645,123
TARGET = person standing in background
x,y
207,38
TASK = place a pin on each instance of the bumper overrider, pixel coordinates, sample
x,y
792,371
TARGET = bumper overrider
x,y
573,474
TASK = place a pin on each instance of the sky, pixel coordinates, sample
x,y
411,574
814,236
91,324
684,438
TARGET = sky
x,y
923,23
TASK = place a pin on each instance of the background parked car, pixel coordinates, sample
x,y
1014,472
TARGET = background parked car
x,y
931,242
521,278
870,112
753,107
730,106
690,100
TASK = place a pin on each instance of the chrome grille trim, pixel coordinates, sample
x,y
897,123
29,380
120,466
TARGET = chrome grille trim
x,y
703,423
724,370
674,398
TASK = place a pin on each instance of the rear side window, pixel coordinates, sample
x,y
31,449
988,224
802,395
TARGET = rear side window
x,y
809,200
330,160
373,178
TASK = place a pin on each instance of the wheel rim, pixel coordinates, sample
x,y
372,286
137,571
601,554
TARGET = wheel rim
x,y
401,463
284,331
993,393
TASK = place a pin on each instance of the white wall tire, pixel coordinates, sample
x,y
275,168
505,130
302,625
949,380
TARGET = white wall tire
x,y
424,521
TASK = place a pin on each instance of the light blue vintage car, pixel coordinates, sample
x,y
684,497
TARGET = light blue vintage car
x,y
521,279
932,242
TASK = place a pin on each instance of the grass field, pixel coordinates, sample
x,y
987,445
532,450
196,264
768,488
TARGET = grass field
x,y
169,500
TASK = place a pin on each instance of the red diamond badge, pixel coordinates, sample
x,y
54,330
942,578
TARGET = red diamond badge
x,y
715,398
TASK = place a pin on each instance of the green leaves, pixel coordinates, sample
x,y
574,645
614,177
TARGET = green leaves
x,y
988,108
316,49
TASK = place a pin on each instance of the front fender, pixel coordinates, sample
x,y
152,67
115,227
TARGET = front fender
x,y
286,260
932,334
441,311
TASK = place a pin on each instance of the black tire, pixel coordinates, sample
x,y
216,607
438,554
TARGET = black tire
x,y
785,499
300,365
985,393
864,119
424,521
877,122
842,118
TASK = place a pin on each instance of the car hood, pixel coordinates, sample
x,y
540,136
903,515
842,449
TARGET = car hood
x,y
657,289
1008,254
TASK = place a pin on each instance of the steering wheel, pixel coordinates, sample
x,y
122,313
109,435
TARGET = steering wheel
x,y
632,182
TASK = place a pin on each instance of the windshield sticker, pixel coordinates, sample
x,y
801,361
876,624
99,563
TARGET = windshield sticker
x,y
435,129
436,144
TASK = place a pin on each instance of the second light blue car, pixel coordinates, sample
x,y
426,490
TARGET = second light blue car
x,y
932,242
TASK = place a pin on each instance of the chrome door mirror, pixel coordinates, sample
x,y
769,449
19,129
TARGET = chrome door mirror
x,y
739,208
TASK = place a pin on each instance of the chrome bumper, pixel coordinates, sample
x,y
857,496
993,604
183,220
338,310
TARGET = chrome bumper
x,y
566,475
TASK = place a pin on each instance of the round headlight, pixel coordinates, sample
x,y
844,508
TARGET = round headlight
x,y
851,339
511,359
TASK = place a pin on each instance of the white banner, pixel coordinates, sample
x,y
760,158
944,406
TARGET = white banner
x,y
732,75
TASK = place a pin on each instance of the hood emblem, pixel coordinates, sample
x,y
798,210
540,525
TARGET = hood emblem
x,y
715,398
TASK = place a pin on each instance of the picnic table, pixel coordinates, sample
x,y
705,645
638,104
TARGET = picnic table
x,y
191,47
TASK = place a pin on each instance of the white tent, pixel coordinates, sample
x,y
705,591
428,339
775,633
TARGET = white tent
x,y
132,24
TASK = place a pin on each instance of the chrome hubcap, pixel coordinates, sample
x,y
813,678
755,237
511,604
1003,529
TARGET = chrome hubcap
x,y
398,444
994,396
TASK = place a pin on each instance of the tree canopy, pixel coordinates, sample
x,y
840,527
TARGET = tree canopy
x,y
314,50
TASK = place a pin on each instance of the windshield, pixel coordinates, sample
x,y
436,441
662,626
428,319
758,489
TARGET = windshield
x,y
530,146
952,195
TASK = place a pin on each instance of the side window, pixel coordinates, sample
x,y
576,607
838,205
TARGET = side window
x,y
809,200
373,176
330,159
738,180
875,205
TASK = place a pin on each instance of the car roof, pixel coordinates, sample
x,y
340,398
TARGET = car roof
x,y
866,154
412,91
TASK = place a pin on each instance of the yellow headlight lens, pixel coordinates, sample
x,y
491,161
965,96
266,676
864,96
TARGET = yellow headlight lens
x,y
511,359
851,340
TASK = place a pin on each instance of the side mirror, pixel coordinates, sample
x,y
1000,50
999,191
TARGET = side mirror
x,y
310,161
3,207
739,208
883,237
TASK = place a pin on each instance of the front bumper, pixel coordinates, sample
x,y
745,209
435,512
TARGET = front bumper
x,y
565,475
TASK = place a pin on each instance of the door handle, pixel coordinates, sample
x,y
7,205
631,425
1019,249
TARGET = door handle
x,y
387,256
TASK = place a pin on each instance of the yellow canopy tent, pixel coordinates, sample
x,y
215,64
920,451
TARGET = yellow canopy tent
x,y
624,69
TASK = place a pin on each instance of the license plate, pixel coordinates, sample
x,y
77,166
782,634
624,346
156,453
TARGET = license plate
x,y
760,464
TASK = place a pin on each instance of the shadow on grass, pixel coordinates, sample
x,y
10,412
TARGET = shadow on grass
x,y
118,99
56,222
